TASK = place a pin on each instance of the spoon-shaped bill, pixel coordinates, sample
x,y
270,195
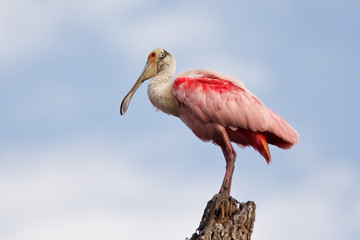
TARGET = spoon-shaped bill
x,y
148,72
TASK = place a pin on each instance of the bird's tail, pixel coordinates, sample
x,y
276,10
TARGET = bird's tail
x,y
262,146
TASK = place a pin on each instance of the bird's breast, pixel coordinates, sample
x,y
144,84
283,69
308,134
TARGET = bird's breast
x,y
161,96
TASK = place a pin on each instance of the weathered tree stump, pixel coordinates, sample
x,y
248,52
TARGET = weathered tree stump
x,y
225,218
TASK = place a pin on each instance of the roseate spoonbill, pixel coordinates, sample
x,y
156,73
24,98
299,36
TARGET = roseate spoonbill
x,y
216,107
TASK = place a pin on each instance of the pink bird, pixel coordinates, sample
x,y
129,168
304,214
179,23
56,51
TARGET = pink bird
x,y
216,107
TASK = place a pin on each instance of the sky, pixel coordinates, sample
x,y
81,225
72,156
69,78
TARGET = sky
x,y
72,168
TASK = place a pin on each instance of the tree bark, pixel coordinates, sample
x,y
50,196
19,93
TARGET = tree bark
x,y
225,218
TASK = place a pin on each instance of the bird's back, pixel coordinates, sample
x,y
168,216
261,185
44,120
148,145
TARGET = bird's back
x,y
212,98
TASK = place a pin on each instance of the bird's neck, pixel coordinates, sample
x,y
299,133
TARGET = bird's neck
x,y
160,92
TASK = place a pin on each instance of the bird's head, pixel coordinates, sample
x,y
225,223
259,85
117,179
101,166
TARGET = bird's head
x,y
158,61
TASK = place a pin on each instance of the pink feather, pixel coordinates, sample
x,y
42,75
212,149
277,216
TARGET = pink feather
x,y
208,100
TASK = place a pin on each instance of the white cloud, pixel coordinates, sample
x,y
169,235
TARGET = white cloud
x,y
98,188
24,27
183,28
321,207
90,189
31,27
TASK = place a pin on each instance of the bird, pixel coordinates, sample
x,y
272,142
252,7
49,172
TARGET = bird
x,y
216,107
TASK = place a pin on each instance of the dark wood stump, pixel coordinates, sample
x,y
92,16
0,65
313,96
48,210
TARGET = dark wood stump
x,y
225,218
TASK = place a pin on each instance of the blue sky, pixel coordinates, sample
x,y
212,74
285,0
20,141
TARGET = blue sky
x,y
72,168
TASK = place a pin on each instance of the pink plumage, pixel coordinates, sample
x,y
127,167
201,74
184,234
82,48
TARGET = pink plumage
x,y
216,107
209,101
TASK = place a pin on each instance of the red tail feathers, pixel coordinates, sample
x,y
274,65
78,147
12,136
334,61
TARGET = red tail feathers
x,y
263,147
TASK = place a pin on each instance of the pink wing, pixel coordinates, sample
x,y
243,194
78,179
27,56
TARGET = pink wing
x,y
207,97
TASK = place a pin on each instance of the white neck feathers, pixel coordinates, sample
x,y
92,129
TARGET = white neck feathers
x,y
160,89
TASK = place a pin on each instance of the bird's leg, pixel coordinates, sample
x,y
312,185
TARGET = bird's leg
x,y
230,156
230,161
